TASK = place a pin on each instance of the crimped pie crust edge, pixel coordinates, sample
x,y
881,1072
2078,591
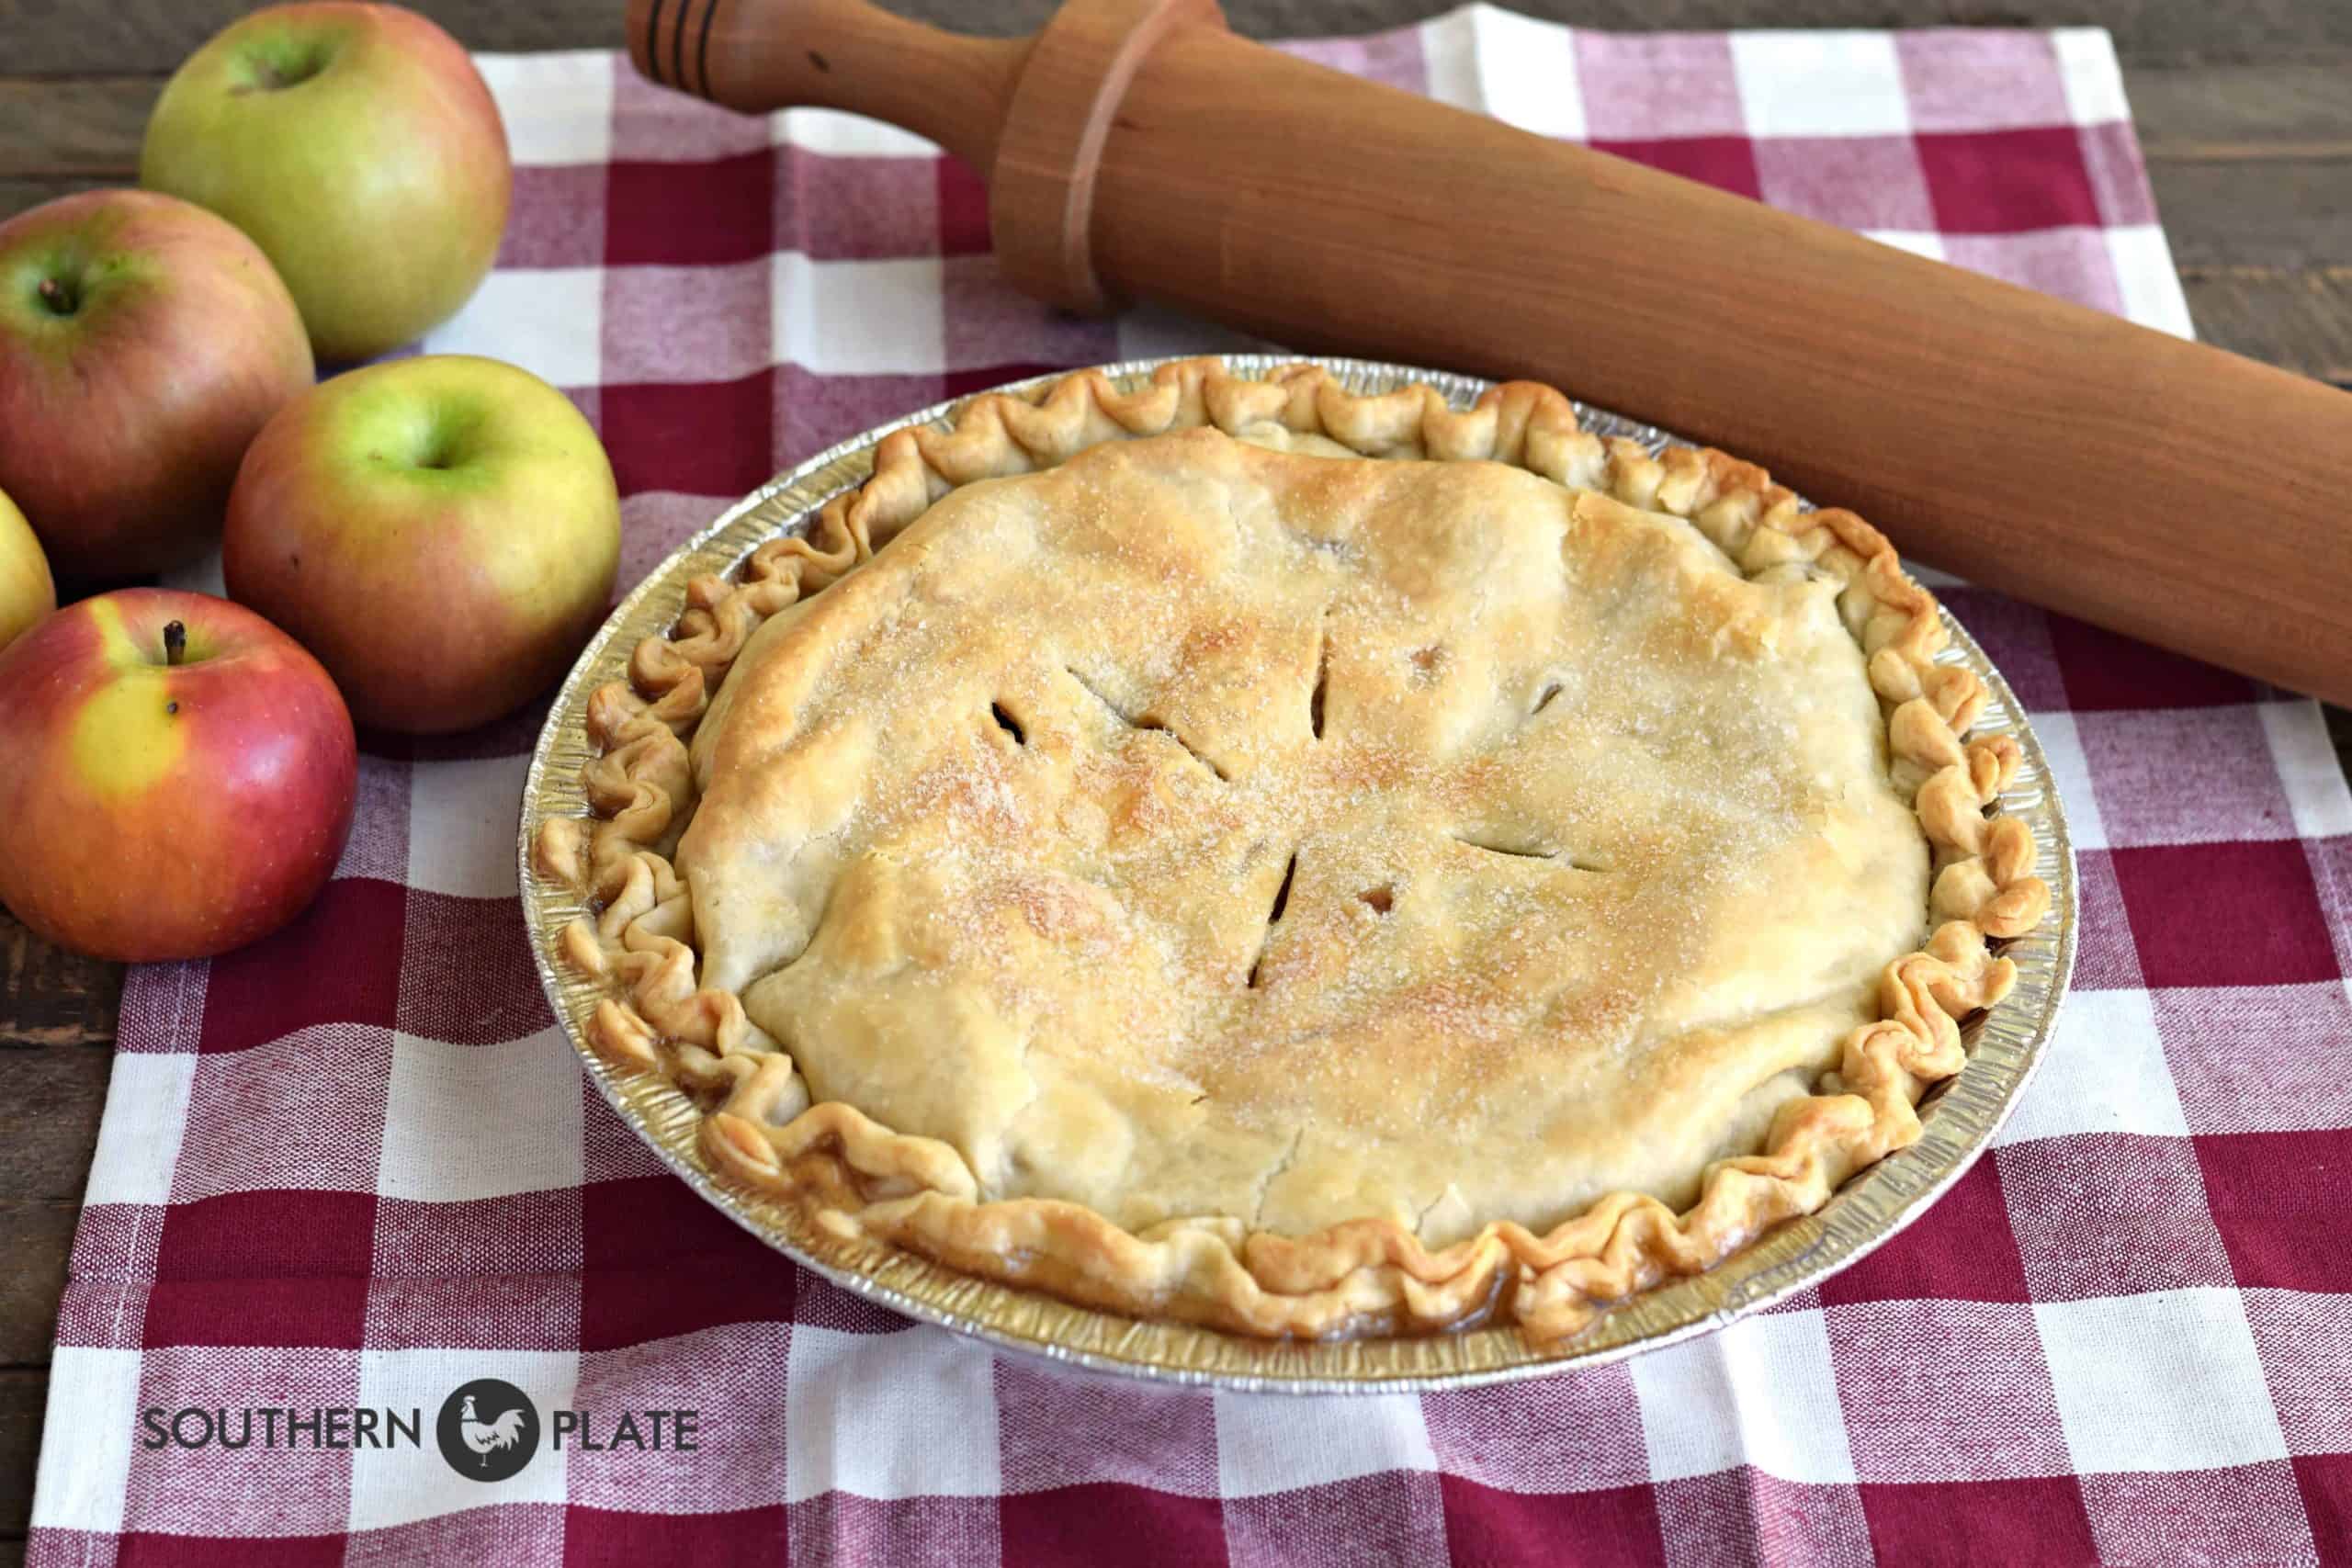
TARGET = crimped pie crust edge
x,y
858,1178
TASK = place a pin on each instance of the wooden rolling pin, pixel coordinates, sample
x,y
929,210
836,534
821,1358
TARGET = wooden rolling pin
x,y
2165,488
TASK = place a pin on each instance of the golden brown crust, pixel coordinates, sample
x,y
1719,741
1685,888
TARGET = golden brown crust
x,y
1365,1275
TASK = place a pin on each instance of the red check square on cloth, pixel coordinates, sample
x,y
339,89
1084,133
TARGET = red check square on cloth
x,y
358,1165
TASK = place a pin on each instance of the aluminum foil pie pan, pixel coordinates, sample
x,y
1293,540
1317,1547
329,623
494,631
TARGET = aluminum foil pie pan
x,y
1959,1117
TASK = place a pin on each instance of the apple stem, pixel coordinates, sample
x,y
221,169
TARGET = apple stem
x,y
175,642
53,294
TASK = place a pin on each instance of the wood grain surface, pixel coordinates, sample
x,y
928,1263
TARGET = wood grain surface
x,y
2242,110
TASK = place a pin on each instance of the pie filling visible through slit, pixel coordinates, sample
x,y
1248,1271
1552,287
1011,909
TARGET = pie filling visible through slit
x,y
1301,863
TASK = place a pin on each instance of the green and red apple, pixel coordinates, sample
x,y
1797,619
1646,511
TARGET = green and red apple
x,y
28,593
142,343
442,532
359,148
178,778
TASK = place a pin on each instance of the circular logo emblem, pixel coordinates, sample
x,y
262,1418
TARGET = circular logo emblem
x,y
488,1429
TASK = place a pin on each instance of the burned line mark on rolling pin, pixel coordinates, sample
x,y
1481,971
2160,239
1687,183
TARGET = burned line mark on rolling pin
x,y
653,38
819,61
1274,918
702,48
678,43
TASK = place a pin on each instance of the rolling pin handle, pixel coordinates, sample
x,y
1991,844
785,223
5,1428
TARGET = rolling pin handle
x,y
1030,115
760,55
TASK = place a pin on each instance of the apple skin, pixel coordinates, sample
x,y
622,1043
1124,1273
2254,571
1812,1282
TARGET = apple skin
x,y
359,148
27,593
160,811
142,343
442,532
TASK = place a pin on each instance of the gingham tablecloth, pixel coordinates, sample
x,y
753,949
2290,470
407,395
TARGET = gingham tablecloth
x,y
358,1164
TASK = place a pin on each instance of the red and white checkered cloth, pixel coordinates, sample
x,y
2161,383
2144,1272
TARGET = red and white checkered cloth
x,y
357,1164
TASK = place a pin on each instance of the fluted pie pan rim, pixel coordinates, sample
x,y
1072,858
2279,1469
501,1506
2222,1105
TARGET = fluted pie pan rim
x,y
1957,1122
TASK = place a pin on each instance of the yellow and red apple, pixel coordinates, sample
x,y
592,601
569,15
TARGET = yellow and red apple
x,y
178,778
442,532
142,343
359,148
28,593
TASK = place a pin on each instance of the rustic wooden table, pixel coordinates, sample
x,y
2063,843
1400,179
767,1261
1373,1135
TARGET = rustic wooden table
x,y
2242,110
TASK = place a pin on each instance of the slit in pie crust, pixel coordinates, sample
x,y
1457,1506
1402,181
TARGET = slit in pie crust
x,y
1302,863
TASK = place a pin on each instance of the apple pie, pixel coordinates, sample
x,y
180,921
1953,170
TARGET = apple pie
x,y
1308,864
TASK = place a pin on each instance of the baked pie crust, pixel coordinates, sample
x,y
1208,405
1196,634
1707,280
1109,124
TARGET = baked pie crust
x,y
1207,875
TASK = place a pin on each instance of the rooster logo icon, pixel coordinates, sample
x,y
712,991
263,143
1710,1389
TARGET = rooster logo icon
x,y
483,1436
488,1429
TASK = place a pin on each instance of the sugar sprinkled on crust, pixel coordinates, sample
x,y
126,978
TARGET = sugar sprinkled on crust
x,y
1049,924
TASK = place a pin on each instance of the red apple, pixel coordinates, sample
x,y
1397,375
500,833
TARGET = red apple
x,y
178,778
142,342
359,148
442,532
27,591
